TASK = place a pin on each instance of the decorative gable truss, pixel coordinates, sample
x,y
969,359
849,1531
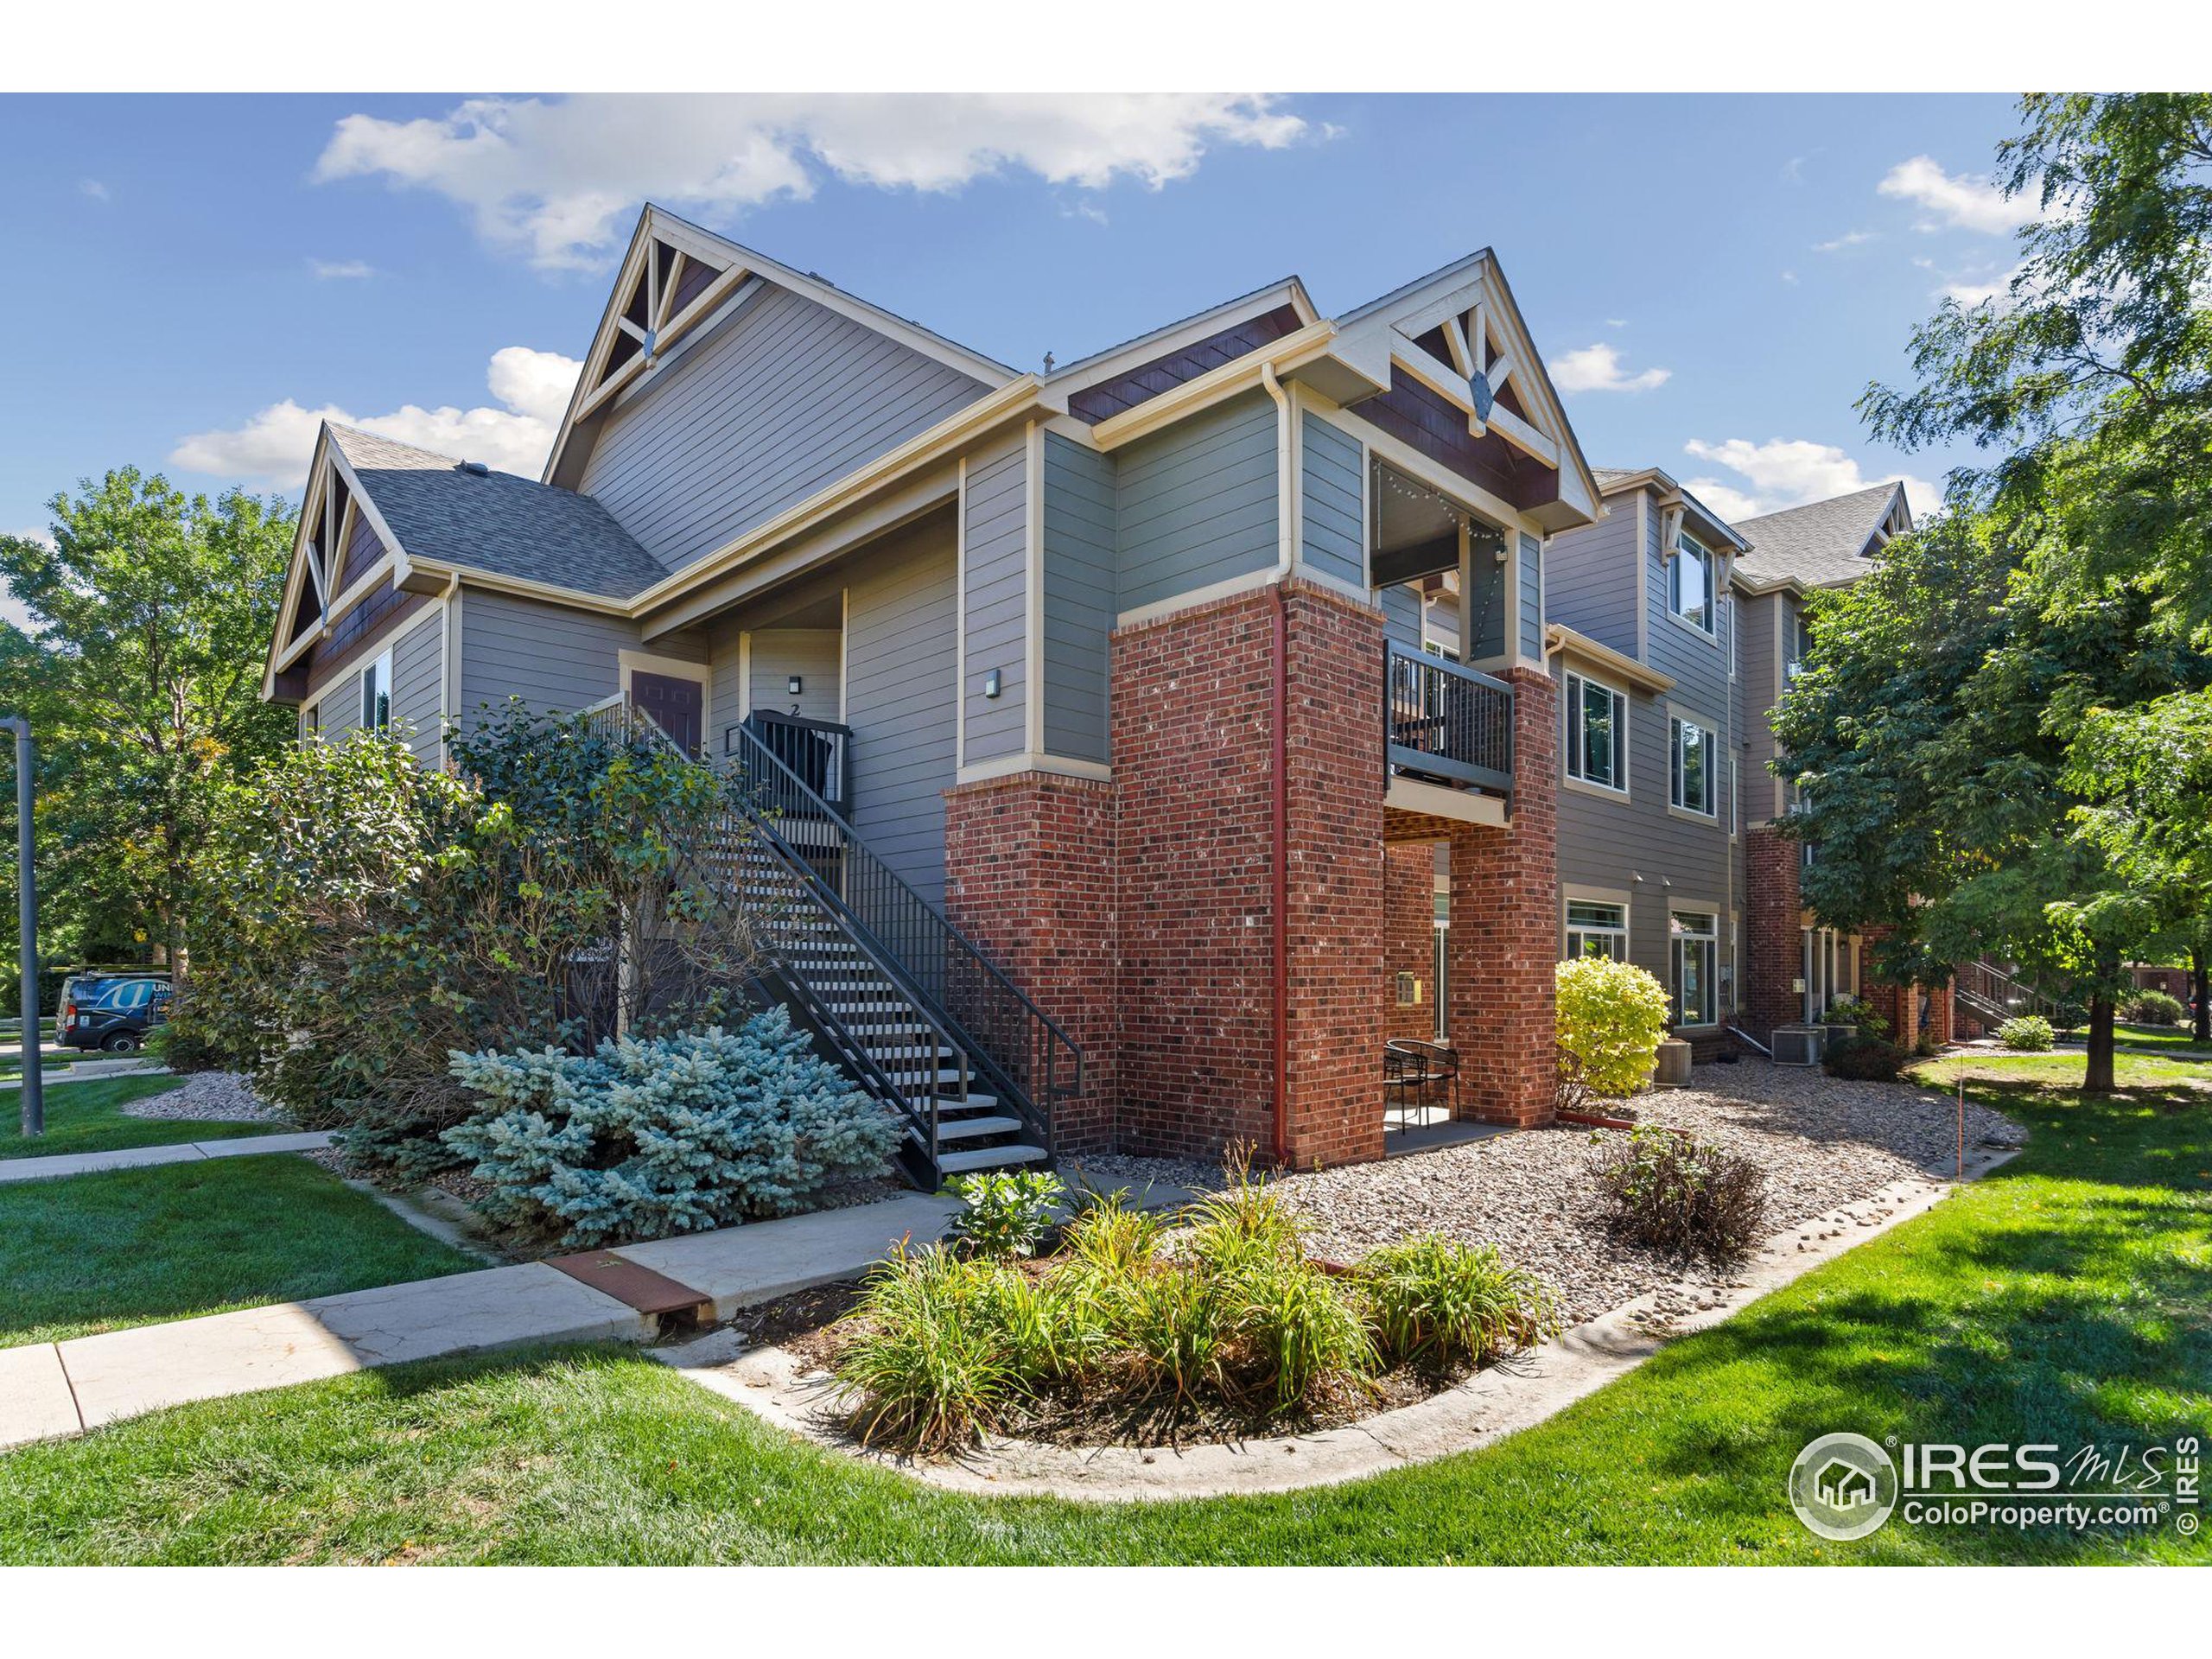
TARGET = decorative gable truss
x,y
341,552
1455,342
671,281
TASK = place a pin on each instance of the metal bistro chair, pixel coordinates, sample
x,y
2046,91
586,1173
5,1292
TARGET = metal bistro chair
x,y
1414,1072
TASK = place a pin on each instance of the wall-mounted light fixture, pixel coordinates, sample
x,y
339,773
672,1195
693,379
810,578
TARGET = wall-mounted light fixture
x,y
793,685
991,683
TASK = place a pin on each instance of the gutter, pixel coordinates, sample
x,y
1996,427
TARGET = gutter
x,y
1280,759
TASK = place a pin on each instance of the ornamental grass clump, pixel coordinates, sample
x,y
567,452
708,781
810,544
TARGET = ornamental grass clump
x,y
931,1356
1438,1303
1684,1196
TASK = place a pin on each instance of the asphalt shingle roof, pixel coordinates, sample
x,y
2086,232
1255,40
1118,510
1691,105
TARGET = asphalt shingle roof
x,y
496,522
1820,545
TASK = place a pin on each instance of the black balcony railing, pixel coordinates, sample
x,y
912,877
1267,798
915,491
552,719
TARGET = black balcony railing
x,y
1445,724
818,752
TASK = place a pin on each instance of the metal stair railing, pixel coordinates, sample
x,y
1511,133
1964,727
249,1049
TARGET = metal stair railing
x,y
1996,995
1017,1050
907,1071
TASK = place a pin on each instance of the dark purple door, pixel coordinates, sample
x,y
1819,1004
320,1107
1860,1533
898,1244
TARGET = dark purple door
x,y
678,704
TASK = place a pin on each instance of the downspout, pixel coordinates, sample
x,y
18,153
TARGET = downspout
x,y
1285,523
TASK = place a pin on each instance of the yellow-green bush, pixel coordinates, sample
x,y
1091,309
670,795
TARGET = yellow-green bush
x,y
1611,1016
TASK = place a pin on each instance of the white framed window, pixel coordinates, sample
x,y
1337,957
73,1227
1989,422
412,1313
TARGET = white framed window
x,y
1596,930
1691,768
376,695
1597,732
1693,938
1796,640
1689,583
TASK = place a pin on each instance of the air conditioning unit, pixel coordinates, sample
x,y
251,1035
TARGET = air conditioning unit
x,y
1797,1044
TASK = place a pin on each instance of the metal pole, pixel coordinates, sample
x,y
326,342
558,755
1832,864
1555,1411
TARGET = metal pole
x,y
1962,1126
34,1091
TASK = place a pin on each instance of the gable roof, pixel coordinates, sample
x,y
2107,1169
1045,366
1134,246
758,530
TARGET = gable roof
x,y
1823,545
1069,379
1613,481
442,514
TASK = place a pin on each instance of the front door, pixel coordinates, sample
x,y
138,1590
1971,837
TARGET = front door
x,y
680,705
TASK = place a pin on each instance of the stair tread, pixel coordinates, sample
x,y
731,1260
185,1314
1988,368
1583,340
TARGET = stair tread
x,y
970,1128
957,1163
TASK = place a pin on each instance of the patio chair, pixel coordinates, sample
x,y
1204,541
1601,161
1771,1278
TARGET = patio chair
x,y
1405,1081
1440,1066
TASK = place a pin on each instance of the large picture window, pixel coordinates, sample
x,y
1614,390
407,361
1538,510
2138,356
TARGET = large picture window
x,y
1694,936
1596,930
1596,733
1695,752
1689,584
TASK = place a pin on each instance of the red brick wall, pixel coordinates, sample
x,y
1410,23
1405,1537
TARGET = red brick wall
x,y
1193,888
1029,876
1409,936
1506,929
1336,776
1773,920
1193,791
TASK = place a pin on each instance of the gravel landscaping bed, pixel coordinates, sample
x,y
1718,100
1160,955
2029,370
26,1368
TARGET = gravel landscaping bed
x,y
207,1097
1823,1141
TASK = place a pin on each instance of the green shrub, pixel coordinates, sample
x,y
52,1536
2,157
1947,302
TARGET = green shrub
x,y
1613,1016
2153,1009
1005,1212
1675,1194
661,1136
929,1351
1108,1237
1438,1302
2031,1032
1864,1059
1858,1013
1299,1337
1177,1328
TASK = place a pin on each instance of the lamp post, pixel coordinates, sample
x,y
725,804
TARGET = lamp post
x,y
33,1093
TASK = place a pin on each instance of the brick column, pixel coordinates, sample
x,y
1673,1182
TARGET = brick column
x,y
1029,876
1774,919
1193,725
1506,929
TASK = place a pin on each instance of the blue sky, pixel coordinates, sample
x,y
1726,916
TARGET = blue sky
x,y
1712,280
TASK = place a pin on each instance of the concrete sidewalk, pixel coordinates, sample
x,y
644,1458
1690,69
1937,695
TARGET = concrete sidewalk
x,y
180,1152
55,1389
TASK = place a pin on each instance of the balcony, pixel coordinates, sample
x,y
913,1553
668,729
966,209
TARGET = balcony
x,y
1447,738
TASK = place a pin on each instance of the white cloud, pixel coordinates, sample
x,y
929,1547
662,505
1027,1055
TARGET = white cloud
x,y
1967,200
1615,322
275,446
559,178
1598,368
1971,289
94,188
1789,473
1848,239
341,269
1789,279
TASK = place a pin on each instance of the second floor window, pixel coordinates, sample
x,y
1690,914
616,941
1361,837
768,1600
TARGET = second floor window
x,y
1689,584
376,695
1695,749
1596,733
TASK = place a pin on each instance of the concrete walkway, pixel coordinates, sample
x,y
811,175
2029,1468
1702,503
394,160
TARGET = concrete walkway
x,y
180,1152
61,1389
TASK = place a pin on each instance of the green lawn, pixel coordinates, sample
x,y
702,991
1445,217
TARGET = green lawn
x,y
2067,1298
89,1253
2062,1069
83,1117
2174,1036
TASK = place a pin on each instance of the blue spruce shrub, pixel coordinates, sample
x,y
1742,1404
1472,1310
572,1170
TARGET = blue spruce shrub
x,y
668,1134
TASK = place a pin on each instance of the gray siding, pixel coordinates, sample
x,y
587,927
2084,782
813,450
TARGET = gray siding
x,y
1592,578
1763,621
1401,614
1196,504
813,654
418,684
550,657
1532,599
1332,539
901,700
997,599
1079,521
775,402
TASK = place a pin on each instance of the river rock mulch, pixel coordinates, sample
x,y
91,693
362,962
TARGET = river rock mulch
x,y
207,1097
1824,1142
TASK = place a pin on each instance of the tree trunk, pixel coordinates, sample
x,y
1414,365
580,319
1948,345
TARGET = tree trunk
x,y
2199,986
2099,1080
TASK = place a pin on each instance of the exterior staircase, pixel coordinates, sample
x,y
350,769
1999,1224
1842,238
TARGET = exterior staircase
x,y
901,999
1991,993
